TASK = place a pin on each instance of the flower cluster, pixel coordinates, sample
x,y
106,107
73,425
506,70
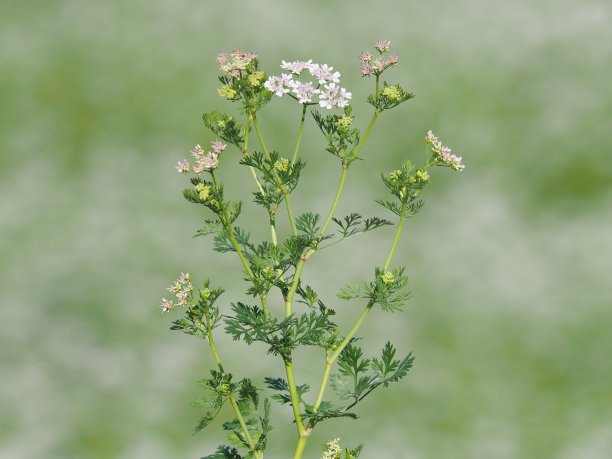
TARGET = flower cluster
x,y
442,153
203,161
329,93
371,66
239,61
182,288
332,450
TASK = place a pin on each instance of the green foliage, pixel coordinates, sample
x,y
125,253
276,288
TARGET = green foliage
x,y
199,312
353,453
224,452
406,187
325,411
217,388
279,263
250,324
281,389
225,127
389,99
389,293
341,138
276,171
354,224
355,380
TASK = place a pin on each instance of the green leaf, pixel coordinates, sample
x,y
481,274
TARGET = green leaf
x,y
224,126
224,452
351,363
307,223
283,395
210,227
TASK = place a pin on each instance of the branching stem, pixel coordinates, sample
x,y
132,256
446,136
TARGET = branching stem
x,y
278,180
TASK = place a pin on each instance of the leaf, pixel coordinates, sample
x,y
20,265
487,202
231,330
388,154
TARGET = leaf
x,y
210,227
282,388
307,223
351,363
224,452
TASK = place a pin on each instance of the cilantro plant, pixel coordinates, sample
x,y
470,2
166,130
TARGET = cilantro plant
x,y
273,267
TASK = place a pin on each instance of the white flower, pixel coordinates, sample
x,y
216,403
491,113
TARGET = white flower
x,y
304,91
323,73
296,67
334,96
279,85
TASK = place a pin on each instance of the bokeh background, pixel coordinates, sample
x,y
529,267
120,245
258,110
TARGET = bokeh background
x,y
509,261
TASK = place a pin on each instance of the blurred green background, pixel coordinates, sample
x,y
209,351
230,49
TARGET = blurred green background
x,y
509,261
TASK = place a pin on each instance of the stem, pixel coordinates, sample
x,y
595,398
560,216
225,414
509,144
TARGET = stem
x,y
244,153
273,229
228,228
208,330
397,235
245,429
301,444
367,133
297,146
295,401
278,180
336,353
336,199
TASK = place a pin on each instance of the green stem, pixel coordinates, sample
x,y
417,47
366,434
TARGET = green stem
x,y
230,232
397,235
301,444
335,203
245,429
245,151
297,146
367,133
208,330
278,180
295,401
331,359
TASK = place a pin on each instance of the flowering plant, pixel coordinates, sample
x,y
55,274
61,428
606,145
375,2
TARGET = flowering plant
x,y
275,266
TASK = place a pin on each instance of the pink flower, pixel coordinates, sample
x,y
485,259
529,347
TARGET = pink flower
x,y
166,305
382,45
210,161
392,59
222,58
366,70
430,138
365,57
183,167
218,147
197,152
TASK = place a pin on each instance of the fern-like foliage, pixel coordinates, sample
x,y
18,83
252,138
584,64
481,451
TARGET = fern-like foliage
x,y
282,336
358,377
389,99
386,291
225,127
342,140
